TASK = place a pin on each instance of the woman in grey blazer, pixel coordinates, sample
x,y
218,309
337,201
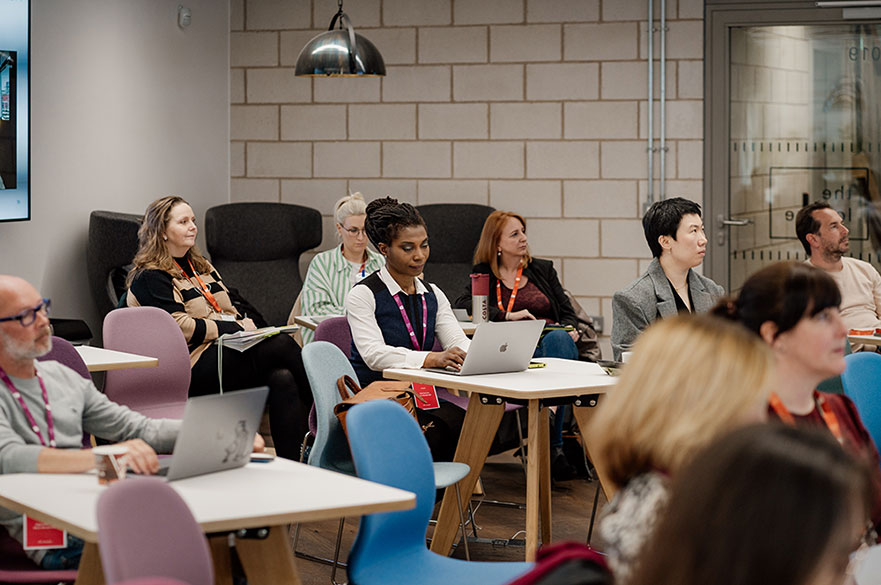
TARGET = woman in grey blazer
x,y
675,234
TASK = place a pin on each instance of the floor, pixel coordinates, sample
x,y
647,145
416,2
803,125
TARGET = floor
x,y
504,480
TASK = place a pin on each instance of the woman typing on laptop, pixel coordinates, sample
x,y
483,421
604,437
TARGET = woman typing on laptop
x,y
395,317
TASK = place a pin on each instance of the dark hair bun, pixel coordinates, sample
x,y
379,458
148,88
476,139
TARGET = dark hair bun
x,y
726,308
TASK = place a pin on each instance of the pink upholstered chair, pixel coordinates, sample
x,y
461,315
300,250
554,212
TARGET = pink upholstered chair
x,y
145,529
159,392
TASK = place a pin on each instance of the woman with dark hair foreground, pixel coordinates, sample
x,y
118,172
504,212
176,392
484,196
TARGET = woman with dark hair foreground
x,y
793,307
764,504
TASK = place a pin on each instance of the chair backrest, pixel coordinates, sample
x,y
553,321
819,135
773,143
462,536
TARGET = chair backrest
x,y
862,383
336,331
325,363
146,530
156,392
388,447
63,352
454,230
113,243
256,248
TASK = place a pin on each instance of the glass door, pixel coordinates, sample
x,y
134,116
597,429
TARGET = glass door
x,y
805,114
793,116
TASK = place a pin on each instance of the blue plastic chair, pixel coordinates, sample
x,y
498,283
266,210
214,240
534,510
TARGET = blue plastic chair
x,y
388,448
862,384
324,363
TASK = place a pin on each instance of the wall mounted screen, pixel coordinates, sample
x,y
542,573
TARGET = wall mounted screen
x,y
14,110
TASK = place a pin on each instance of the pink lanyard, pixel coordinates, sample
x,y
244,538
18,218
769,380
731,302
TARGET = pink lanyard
x,y
27,411
416,345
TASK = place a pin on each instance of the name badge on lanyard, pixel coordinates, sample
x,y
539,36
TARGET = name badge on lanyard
x,y
426,394
39,535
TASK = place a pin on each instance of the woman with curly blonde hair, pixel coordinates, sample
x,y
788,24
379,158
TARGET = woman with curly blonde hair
x,y
690,379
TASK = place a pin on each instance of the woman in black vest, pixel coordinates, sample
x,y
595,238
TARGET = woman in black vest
x,y
396,318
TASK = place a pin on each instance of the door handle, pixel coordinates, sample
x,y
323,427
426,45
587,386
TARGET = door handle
x,y
723,221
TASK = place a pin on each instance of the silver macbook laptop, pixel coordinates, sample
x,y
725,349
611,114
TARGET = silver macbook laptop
x,y
500,347
217,433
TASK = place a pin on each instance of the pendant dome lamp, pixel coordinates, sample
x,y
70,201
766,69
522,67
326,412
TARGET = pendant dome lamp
x,y
340,52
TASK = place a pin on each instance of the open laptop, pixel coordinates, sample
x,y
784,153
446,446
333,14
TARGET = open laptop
x,y
217,433
499,347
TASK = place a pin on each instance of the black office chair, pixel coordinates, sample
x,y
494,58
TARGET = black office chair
x,y
113,243
453,230
256,248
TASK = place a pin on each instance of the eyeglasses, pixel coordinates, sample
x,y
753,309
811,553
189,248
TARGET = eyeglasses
x,y
355,232
28,316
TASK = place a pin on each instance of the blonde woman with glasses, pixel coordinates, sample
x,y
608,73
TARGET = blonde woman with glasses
x,y
334,272
691,378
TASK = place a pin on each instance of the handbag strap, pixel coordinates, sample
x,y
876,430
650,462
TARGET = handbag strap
x,y
346,384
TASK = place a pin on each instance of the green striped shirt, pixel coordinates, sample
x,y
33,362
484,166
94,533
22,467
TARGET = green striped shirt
x,y
329,279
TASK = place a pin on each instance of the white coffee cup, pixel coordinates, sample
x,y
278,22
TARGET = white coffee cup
x,y
626,355
110,461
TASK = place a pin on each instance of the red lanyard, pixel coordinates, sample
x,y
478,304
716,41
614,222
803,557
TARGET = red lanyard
x,y
513,291
50,423
203,288
416,345
825,411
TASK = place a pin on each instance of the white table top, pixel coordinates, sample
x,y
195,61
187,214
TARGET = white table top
x,y
259,494
310,322
864,340
99,359
560,378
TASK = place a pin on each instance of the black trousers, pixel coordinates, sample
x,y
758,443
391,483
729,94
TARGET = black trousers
x,y
275,362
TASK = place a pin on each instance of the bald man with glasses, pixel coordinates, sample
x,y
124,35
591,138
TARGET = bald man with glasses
x,y
45,407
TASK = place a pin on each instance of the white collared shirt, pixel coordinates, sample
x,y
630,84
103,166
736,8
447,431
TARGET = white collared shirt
x,y
367,334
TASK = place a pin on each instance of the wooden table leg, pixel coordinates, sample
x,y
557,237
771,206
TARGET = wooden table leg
x,y
583,415
544,469
533,464
269,561
478,429
221,557
90,571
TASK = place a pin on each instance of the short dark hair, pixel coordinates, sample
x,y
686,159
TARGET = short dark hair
x,y
663,219
782,293
773,520
385,217
806,224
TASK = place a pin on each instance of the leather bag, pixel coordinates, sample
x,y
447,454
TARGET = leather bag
x,y
352,394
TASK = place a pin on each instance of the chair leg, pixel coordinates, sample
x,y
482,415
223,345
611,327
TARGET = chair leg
x,y
336,552
593,514
462,523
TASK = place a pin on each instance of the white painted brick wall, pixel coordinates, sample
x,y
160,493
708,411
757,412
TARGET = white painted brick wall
x,y
528,198
562,159
536,106
417,84
531,42
488,11
277,86
511,121
602,119
429,160
608,41
279,159
562,81
562,10
382,122
346,159
490,160
277,14
461,44
473,83
435,191
313,122
453,121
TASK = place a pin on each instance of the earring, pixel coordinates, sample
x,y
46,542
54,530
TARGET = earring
x,y
499,252
165,238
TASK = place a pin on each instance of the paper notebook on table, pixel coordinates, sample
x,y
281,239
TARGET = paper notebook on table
x,y
497,348
242,340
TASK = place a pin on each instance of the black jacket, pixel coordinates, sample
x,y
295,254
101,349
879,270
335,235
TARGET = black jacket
x,y
539,271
